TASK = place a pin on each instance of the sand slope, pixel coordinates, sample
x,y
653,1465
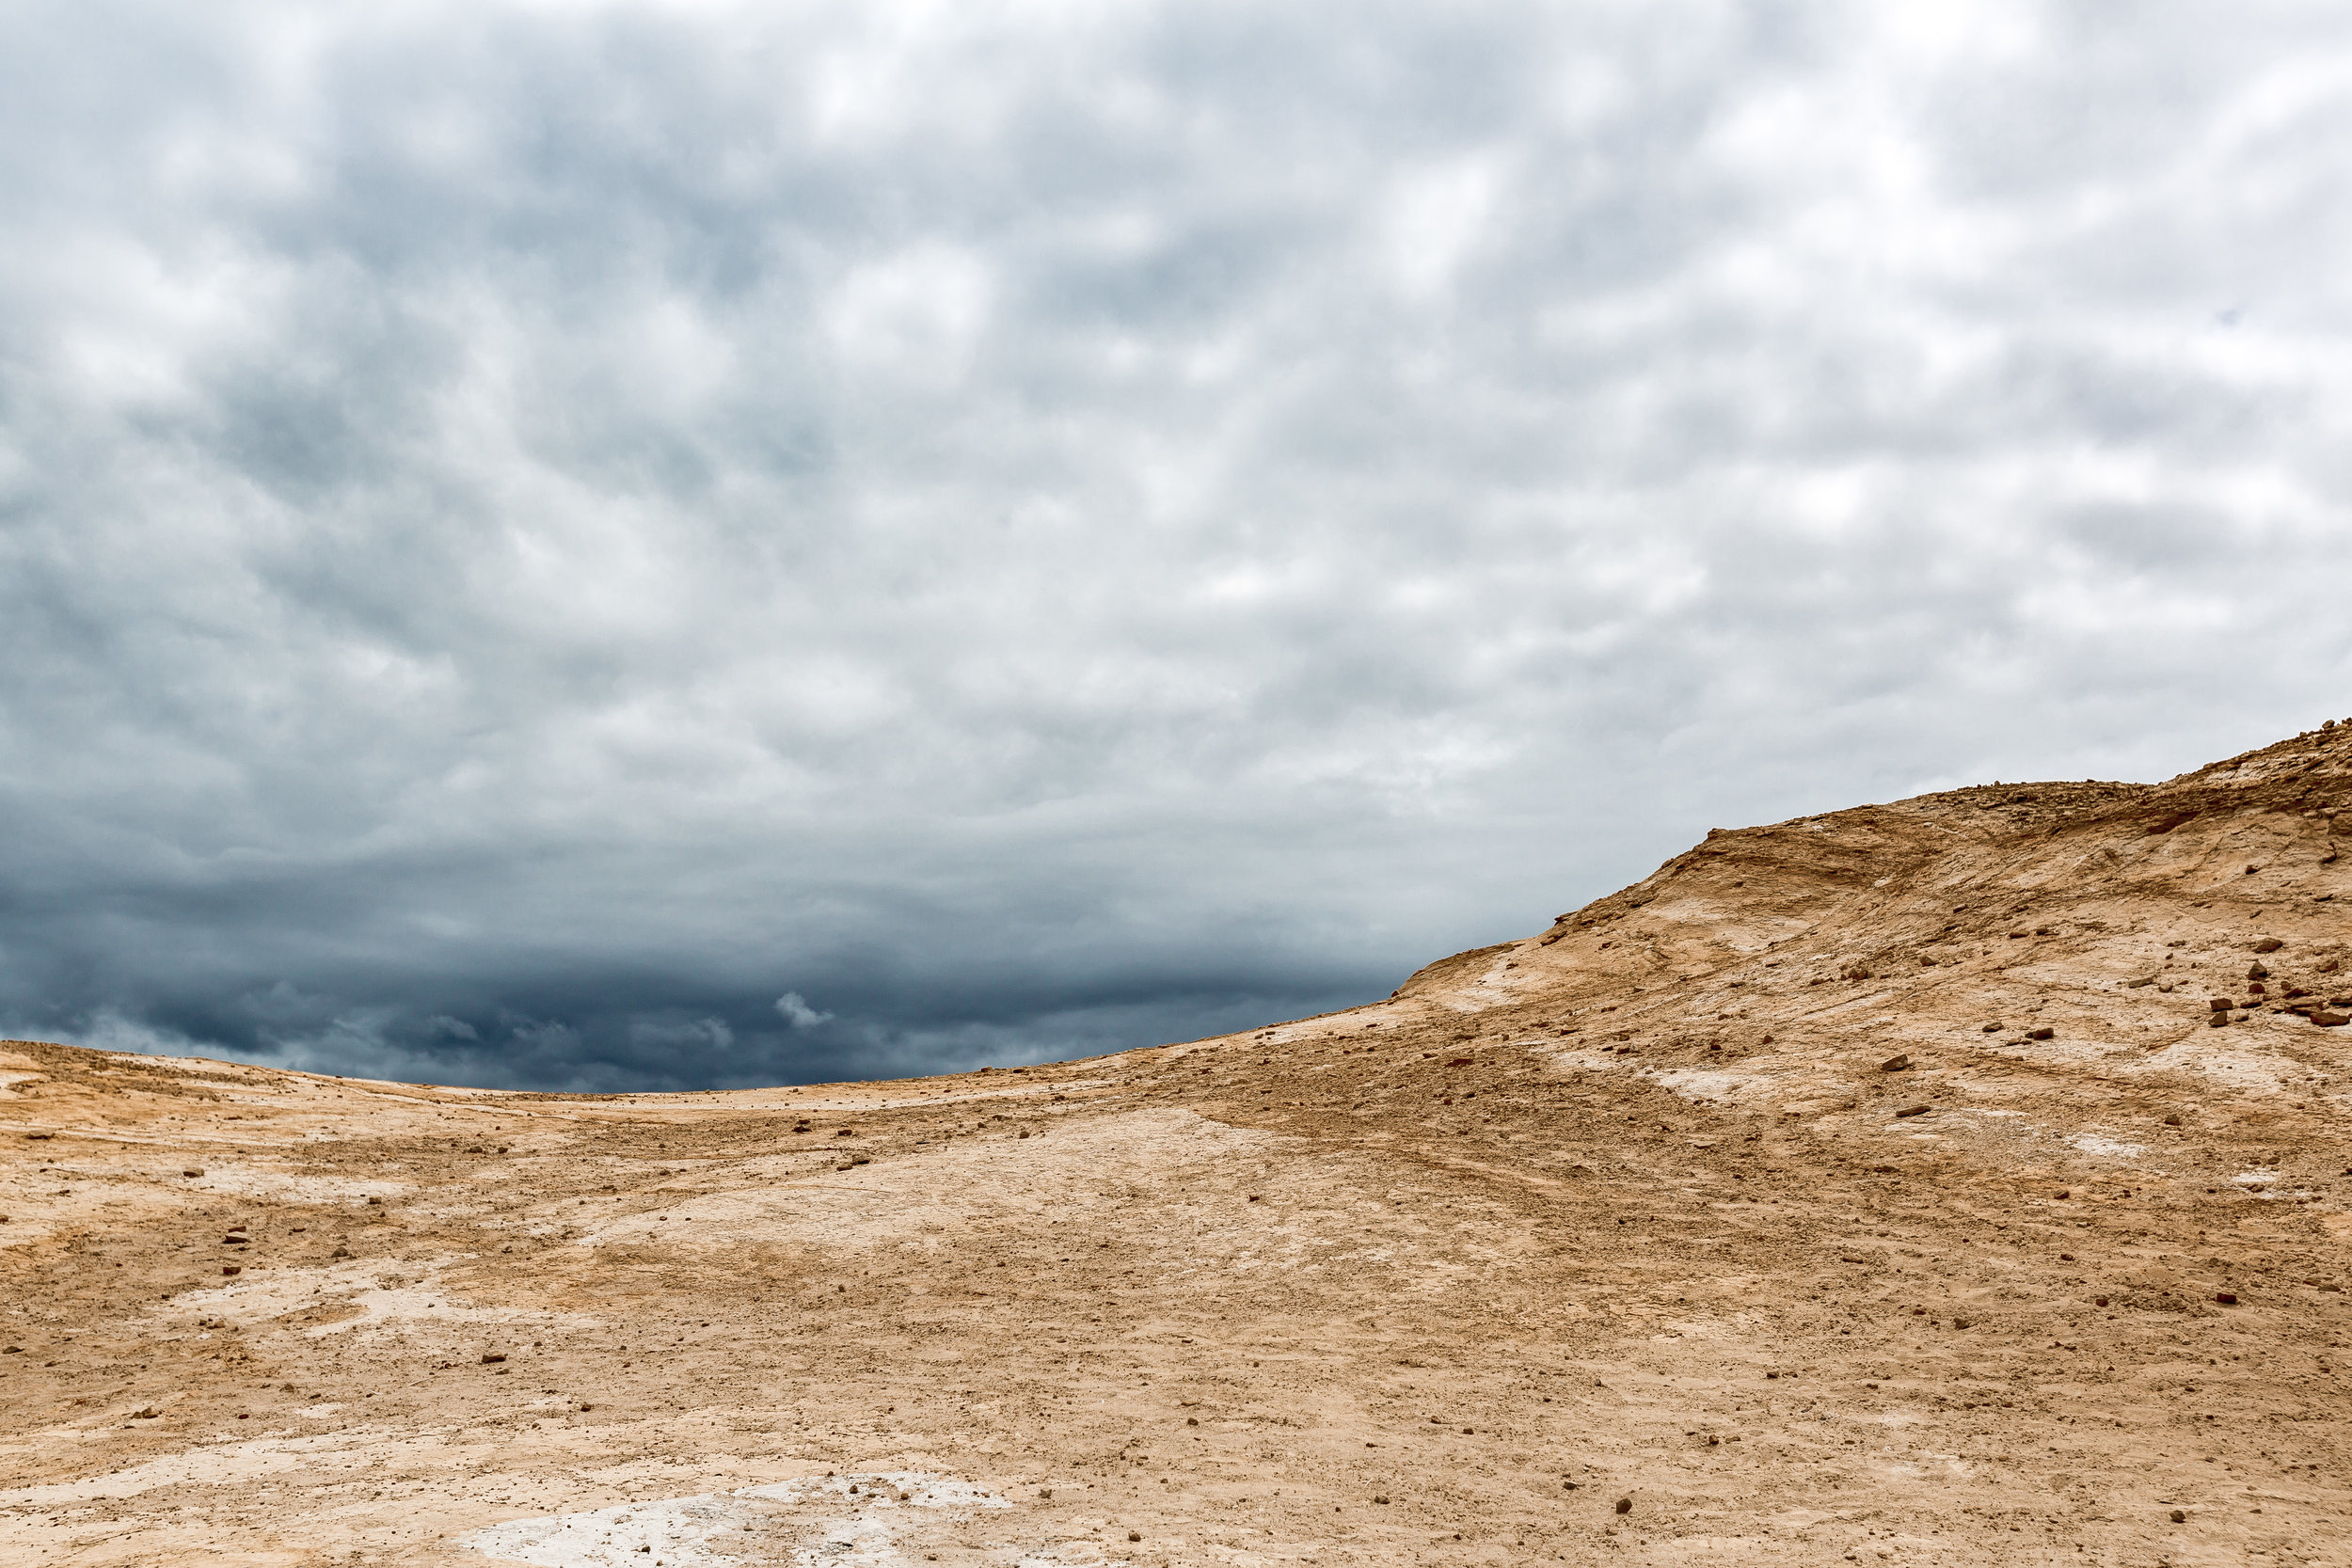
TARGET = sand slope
x,y
1620,1243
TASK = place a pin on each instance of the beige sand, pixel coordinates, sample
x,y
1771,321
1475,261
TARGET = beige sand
x,y
1613,1245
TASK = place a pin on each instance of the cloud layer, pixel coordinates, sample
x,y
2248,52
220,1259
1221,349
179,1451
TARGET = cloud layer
x,y
530,532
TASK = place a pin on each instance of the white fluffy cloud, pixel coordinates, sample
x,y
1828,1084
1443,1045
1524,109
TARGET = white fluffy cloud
x,y
795,1010
522,525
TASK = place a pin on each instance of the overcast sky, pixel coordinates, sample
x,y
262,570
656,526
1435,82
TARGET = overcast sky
x,y
592,545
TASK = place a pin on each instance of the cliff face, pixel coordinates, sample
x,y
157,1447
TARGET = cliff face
x,y
1959,1179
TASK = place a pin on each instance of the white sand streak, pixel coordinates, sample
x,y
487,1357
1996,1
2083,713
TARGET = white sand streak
x,y
852,1521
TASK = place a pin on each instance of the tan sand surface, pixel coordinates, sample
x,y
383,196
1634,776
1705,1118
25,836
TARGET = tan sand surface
x,y
1622,1242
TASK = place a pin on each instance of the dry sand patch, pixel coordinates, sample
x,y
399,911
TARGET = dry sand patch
x,y
1556,1229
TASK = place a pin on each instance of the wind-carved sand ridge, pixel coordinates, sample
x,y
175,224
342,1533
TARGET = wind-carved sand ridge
x,y
1870,1187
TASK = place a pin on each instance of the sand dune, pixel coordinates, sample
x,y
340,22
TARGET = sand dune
x,y
1954,1181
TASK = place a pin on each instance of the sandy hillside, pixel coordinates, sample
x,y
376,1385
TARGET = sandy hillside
x,y
1955,1180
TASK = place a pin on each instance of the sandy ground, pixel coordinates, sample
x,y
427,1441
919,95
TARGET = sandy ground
x,y
1622,1243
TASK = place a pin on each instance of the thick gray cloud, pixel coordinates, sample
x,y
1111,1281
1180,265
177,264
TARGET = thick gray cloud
x,y
531,532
